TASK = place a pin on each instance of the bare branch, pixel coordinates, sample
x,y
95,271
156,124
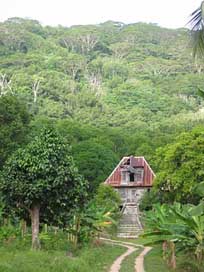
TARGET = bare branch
x,y
5,85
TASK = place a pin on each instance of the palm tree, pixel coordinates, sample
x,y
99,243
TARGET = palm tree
x,y
196,24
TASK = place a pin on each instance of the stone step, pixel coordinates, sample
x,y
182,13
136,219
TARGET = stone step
x,y
119,234
127,236
128,219
125,223
128,229
128,233
129,224
121,229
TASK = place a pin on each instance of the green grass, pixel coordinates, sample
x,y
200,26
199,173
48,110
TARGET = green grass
x,y
154,262
128,265
88,259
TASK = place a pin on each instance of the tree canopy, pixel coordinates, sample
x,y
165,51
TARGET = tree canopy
x,y
180,167
43,179
110,89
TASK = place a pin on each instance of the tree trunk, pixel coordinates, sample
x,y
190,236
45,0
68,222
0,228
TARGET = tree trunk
x,y
173,256
164,250
23,227
35,215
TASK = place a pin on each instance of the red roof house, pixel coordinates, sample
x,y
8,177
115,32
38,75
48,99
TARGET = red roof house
x,y
131,178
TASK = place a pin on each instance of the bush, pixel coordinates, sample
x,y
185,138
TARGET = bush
x,y
148,200
107,198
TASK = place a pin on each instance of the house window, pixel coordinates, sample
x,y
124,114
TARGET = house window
x,y
139,173
124,177
132,177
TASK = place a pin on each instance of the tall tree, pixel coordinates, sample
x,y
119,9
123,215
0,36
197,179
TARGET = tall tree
x,y
42,179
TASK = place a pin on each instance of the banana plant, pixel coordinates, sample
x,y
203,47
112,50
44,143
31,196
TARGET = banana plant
x,y
199,209
193,236
160,227
89,223
178,226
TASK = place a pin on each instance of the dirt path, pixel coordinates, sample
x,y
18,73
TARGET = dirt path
x,y
116,265
139,261
131,247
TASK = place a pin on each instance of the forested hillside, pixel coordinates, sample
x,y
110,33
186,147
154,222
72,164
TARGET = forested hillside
x,y
112,89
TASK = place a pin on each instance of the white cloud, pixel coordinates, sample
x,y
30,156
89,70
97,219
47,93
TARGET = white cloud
x,y
172,13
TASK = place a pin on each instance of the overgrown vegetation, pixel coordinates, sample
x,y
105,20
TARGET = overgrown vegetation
x,y
180,228
73,101
56,254
111,89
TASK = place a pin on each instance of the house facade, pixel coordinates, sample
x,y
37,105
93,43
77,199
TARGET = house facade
x,y
132,177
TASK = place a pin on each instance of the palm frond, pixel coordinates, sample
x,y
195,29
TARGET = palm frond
x,y
201,94
196,24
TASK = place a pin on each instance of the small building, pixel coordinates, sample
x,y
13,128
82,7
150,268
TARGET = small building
x,y
132,177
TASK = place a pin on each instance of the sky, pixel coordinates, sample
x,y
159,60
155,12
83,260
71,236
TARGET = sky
x,y
166,13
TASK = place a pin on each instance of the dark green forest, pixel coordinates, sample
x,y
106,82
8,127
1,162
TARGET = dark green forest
x,y
110,90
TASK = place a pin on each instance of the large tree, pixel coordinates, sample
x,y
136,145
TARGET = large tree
x,y
42,179
180,167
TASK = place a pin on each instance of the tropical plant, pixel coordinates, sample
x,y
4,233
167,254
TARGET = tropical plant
x,y
192,237
159,224
106,197
177,226
197,28
89,223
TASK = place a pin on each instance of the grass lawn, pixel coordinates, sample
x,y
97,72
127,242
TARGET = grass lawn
x,y
89,259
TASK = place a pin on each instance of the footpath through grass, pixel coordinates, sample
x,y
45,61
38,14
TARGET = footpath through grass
x,y
88,259
128,265
153,261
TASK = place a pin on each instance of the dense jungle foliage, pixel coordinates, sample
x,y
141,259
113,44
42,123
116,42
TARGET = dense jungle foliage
x,y
110,89
73,101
